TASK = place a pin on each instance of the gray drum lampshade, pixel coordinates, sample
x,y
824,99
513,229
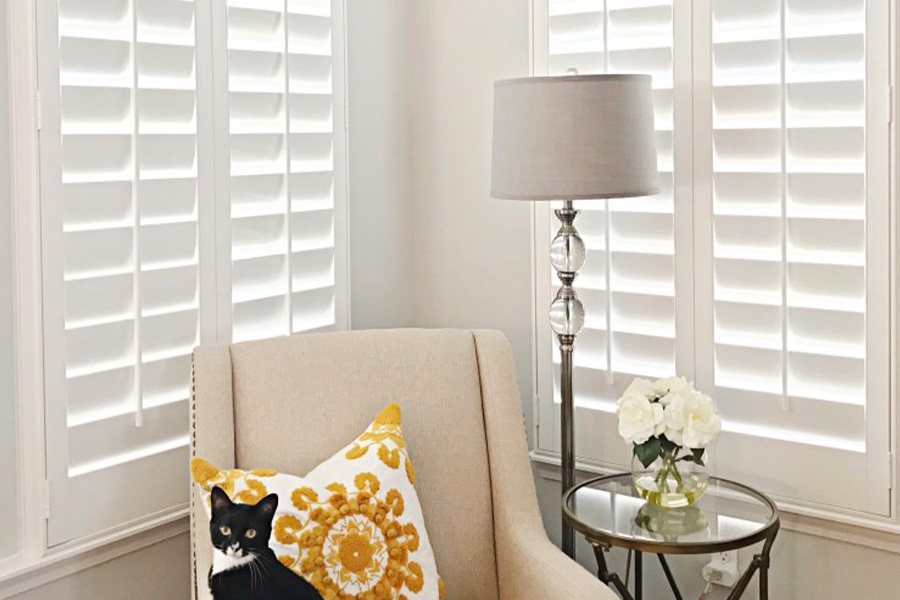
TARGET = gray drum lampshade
x,y
574,137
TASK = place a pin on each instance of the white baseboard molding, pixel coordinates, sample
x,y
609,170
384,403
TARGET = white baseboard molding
x,y
878,535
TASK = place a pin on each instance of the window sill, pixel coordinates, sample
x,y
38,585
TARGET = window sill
x,y
861,531
21,573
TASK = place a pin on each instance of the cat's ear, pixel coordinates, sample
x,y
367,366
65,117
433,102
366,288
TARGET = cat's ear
x,y
267,506
219,500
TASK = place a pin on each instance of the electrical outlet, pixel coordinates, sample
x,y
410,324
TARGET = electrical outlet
x,y
722,569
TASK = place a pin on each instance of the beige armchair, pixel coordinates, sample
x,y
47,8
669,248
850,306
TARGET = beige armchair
x,y
290,403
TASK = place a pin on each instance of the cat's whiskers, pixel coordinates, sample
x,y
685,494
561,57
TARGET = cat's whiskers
x,y
259,566
259,570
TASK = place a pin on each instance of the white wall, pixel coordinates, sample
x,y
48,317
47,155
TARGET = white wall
x,y
158,572
473,253
382,234
8,520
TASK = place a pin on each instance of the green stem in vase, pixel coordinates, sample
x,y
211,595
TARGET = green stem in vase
x,y
677,475
669,466
662,476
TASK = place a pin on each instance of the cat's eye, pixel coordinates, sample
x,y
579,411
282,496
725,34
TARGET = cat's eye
x,y
251,533
225,530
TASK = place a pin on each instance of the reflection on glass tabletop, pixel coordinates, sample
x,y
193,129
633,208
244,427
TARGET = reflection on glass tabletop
x,y
609,510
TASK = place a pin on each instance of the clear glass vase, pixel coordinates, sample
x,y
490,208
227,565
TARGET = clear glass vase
x,y
669,482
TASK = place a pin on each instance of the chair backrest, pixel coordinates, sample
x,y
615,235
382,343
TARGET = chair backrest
x,y
300,399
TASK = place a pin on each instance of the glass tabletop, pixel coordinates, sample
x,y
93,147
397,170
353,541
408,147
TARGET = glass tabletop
x,y
609,510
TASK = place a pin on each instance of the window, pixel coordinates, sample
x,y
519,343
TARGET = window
x,y
769,282
281,121
192,166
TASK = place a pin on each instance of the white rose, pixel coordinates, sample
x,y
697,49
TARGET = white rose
x,y
639,419
691,419
670,385
641,387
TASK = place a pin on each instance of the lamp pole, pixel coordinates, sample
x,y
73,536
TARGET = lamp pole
x,y
567,254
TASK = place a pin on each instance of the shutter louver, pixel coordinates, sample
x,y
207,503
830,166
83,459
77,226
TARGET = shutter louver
x,y
628,281
122,281
791,276
282,172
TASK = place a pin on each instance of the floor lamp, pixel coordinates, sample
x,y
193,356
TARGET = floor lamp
x,y
581,137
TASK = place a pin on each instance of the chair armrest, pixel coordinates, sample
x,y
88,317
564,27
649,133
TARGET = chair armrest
x,y
535,569
529,566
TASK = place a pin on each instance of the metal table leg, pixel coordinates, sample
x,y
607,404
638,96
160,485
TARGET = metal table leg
x,y
759,563
638,576
607,576
669,577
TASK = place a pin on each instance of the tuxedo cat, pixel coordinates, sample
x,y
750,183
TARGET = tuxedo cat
x,y
244,567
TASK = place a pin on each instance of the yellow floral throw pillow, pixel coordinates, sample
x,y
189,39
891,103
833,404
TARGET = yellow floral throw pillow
x,y
353,527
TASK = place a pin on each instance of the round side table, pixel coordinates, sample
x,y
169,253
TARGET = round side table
x,y
610,513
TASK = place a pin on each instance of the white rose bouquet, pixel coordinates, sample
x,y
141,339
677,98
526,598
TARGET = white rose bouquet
x,y
669,420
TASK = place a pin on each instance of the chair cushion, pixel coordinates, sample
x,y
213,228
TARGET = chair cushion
x,y
353,526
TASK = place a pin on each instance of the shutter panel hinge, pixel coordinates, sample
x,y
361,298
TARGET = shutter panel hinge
x,y
47,499
890,106
38,110
892,465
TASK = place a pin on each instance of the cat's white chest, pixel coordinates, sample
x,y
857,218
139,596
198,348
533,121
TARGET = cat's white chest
x,y
225,562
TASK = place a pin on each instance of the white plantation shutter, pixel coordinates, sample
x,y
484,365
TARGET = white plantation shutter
x,y
119,182
628,281
135,270
793,257
283,110
770,284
